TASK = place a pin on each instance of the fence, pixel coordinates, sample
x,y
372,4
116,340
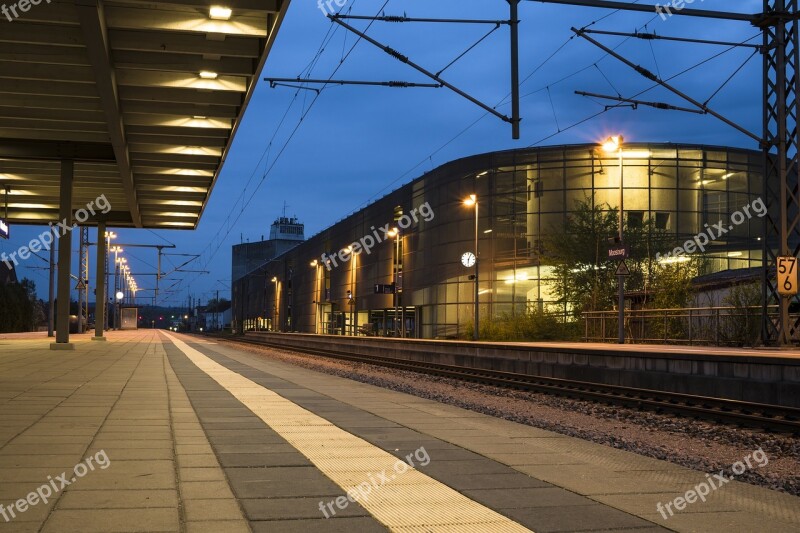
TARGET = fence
x,y
717,326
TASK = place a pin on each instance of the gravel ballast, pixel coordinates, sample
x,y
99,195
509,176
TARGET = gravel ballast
x,y
696,444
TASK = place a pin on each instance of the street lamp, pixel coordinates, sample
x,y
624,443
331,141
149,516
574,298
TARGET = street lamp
x,y
120,295
275,315
118,262
315,265
109,235
472,200
351,294
395,234
614,144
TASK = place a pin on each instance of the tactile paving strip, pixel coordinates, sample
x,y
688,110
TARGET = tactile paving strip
x,y
408,501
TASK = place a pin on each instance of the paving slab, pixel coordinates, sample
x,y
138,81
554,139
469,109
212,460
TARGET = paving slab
x,y
619,487
187,455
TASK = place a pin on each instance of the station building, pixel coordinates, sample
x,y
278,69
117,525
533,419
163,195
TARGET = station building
x,y
419,282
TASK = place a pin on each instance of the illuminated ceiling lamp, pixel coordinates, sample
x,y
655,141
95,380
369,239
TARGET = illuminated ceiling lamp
x,y
219,13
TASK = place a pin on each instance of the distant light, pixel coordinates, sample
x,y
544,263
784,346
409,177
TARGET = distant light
x,y
472,200
488,231
274,279
208,75
199,117
673,260
735,254
220,13
120,295
314,263
482,174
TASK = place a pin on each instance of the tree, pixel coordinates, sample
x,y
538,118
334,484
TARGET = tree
x,y
584,275
20,310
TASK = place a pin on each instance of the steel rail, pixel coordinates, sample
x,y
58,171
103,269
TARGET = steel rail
x,y
733,412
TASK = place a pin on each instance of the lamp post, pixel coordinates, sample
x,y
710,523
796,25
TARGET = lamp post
x,y
315,265
109,292
275,315
473,201
395,234
109,235
119,295
612,145
352,292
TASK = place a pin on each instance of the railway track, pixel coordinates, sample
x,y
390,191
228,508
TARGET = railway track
x,y
769,417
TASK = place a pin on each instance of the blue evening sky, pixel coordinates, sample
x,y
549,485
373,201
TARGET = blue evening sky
x,y
357,143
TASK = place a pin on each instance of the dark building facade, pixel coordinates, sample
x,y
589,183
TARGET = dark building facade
x,y
321,287
284,234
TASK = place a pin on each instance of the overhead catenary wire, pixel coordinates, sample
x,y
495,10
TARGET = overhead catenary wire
x,y
270,167
656,85
536,70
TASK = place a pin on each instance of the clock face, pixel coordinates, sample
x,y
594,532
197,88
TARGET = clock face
x,y
468,259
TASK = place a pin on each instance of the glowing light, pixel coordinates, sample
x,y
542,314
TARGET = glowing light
x,y
208,75
472,200
613,144
673,260
220,13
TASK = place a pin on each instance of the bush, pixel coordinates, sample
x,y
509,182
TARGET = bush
x,y
532,326
743,326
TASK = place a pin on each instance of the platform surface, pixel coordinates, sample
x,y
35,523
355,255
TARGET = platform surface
x,y
166,432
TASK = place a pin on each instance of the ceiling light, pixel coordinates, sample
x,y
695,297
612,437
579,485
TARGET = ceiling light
x,y
208,75
219,13
199,117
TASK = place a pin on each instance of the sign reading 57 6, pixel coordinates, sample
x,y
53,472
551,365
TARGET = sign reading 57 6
x,y
787,276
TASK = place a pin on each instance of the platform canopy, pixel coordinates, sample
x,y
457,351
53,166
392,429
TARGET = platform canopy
x,y
144,97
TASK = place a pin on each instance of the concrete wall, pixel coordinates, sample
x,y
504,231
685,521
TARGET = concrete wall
x,y
769,380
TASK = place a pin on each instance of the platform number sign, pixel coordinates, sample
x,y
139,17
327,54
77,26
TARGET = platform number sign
x,y
787,276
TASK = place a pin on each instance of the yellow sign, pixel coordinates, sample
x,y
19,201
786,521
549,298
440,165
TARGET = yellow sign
x,y
787,276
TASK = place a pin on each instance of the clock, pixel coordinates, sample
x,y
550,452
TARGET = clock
x,y
468,259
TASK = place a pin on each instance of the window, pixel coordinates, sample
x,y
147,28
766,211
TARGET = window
x,y
635,219
662,220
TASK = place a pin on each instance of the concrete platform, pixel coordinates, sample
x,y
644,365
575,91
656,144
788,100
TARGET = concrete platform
x,y
184,434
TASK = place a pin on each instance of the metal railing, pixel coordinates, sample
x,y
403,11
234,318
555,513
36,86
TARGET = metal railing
x,y
716,326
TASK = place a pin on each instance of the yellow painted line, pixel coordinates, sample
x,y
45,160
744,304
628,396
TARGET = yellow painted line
x,y
410,502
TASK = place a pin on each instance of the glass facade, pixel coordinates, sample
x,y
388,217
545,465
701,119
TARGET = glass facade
x,y
523,195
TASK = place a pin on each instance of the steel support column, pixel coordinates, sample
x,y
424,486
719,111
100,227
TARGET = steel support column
x,y
99,284
64,258
514,26
782,223
51,310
